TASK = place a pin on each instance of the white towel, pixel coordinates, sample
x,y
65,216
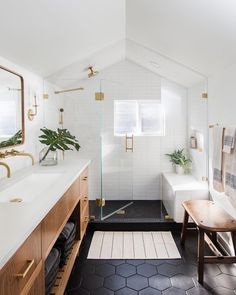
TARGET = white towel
x,y
230,176
229,139
217,161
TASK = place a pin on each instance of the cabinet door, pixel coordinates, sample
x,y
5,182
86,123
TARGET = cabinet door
x,y
18,271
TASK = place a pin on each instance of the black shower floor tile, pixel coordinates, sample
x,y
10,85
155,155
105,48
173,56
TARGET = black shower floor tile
x,y
147,277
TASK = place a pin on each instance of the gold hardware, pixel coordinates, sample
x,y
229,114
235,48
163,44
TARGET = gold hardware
x,y
167,217
69,90
85,199
92,72
100,202
86,218
33,113
99,95
127,139
7,167
120,212
204,95
45,96
24,274
15,153
16,200
85,178
212,125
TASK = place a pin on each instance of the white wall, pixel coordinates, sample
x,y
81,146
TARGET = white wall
x,y
47,114
222,105
86,118
198,124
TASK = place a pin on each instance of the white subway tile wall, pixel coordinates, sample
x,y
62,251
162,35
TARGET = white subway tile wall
x,y
86,118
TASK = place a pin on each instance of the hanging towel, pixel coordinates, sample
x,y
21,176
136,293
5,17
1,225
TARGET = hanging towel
x,y
230,176
229,139
217,161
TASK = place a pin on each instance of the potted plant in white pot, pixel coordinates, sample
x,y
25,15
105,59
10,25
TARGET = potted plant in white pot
x,y
180,161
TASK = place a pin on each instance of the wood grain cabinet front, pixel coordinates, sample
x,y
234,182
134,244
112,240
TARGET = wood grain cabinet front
x,y
56,219
19,271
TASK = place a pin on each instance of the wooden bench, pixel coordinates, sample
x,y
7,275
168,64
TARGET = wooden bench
x,y
209,219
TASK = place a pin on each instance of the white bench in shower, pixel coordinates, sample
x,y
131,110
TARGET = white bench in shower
x,y
178,188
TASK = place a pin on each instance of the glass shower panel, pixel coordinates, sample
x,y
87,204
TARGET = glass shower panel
x,y
116,156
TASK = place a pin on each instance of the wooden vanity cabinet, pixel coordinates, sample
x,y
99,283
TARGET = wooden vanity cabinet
x,y
24,273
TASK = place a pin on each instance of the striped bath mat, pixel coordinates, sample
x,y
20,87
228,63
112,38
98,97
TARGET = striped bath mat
x,y
133,245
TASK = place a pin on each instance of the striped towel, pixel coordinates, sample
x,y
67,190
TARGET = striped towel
x,y
230,176
229,139
217,161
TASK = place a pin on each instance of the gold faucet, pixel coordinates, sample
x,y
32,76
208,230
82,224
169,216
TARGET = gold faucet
x,y
13,153
8,169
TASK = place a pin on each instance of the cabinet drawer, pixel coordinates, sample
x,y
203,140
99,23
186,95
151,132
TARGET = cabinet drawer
x,y
56,219
84,220
17,272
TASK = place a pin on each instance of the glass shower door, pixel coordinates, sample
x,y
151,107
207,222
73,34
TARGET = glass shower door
x,y
116,157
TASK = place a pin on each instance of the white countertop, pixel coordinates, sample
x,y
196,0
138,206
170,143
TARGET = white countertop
x,y
184,182
18,220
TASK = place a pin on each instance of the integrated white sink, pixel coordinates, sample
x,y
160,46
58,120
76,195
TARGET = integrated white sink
x,y
29,188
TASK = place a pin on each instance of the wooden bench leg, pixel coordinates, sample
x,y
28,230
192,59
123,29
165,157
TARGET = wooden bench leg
x,y
201,246
184,228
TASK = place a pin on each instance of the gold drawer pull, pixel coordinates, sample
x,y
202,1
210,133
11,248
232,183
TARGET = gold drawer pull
x,y
85,178
85,199
22,275
86,218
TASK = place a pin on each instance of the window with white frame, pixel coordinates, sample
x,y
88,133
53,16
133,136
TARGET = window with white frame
x,y
139,117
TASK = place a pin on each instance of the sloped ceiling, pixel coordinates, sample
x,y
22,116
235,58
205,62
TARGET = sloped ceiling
x,y
58,39
198,33
47,35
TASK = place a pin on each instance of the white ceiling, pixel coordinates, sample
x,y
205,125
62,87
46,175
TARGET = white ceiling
x,y
47,35
198,33
59,38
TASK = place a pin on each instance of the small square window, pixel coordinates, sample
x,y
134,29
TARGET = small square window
x,y
138,118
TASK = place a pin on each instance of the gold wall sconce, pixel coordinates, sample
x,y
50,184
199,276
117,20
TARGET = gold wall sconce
x,y
33,112
61,117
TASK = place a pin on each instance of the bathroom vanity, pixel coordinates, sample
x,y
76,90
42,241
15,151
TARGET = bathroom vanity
x,y
29,229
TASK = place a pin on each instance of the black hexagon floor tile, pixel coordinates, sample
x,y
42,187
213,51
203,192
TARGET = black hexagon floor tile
x,y
147,270
116,262
149,291
105,270
92,282
226,281
159,282
228,269
182,282
198,291
77,291
212,269
126,291
102,291
135,261
137,282
168,270
174,291
222,291
139,277
114,282
126,270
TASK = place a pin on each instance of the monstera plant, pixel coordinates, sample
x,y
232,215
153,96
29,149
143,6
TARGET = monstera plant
x,y
61,139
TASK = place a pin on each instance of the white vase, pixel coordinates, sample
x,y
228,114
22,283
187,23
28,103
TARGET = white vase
x,y
179,170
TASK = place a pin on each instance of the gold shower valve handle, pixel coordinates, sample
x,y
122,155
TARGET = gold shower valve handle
x,y
129,139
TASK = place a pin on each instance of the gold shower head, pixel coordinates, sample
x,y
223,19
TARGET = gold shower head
x,y
92,72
